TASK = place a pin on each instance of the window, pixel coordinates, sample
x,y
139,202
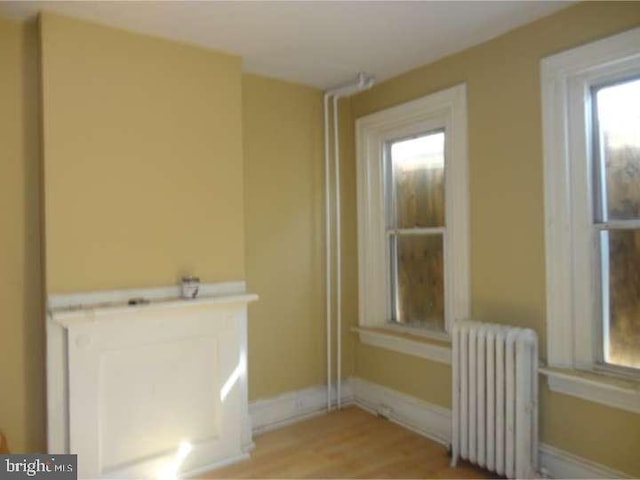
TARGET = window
x,y
616,219
591,124
414,192
412,214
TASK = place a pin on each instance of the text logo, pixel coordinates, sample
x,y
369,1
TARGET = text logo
x,y
38,466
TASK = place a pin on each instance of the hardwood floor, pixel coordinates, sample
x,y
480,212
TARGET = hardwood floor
x,y
350,443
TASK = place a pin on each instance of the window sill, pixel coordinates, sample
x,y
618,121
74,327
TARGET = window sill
x,y
595,387
407,341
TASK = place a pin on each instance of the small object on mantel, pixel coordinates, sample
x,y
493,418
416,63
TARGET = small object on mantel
x,y
138,301
190,286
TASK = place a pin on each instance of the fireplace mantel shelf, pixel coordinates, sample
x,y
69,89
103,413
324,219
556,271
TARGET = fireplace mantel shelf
x,y
81,313
67,309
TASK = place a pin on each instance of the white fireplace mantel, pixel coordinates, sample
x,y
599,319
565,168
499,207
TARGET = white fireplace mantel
x,y
132,389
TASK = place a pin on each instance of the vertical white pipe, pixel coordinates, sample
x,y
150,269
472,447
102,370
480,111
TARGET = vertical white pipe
x,y
363,82
327,222
336,158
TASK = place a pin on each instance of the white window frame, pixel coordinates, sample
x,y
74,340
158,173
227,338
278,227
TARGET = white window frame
x,y
573,284
444,109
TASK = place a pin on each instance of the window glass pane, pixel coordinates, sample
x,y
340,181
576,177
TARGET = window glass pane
x,y
618,120
418,181
622,327
419,282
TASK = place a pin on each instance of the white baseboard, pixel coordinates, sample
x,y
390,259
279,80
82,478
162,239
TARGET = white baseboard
x,y
290,407
429,420
562,464
195,473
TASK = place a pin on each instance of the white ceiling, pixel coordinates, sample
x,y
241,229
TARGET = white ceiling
x,y
319,43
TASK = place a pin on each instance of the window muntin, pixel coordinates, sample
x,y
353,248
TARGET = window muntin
x,y
415,229
616,193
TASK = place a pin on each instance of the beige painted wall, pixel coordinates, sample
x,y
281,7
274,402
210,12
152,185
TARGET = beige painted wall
x,y
21,336
284,230
507,213
142,159
349,237
284,224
